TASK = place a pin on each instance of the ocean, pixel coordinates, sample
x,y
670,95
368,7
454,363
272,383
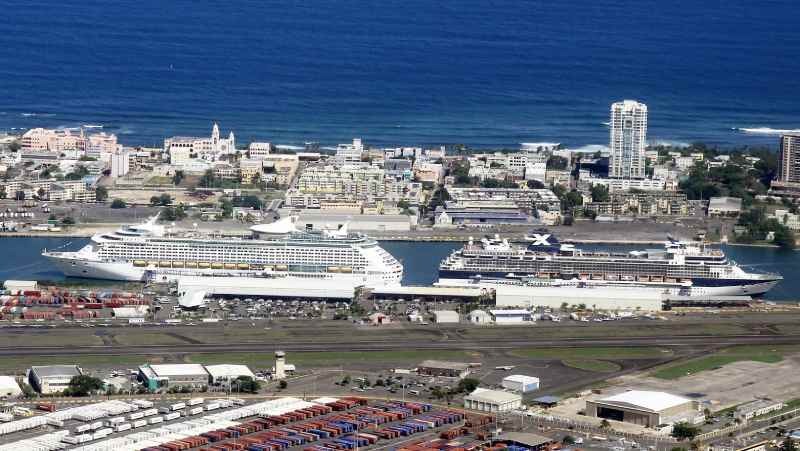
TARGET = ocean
x,y
420,261
489,74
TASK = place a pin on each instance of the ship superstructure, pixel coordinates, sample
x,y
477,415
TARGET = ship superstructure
x,y
678,267
151,252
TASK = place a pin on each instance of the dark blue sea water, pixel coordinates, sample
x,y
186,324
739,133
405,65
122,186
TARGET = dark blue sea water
x,y
486,73
22,260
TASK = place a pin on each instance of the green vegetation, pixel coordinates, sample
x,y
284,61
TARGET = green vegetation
x,y
467,385
162,200
173,213
765,354
177,178
78,173
592,353
158,180
757,227
118,203
101,193
684,431
282,385
83,385
248,201
495,183
247,384
600,193
596,366
439,197
557,163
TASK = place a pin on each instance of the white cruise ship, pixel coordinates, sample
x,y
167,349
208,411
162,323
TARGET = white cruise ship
x,y
148,252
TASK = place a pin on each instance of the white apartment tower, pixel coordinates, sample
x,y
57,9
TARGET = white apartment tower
x,y
628,140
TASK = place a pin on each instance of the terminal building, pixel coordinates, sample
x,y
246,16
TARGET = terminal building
x,y
645,408
487,400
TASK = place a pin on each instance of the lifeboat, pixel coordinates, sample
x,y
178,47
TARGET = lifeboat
x,y
164,264
229,266
139,263
643,279
152,263
191,264
256,267
242,266
347,269
281,268
177,264
203,265
216,266
333,269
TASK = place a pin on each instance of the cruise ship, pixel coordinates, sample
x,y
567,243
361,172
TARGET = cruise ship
x,y
680,268
150,252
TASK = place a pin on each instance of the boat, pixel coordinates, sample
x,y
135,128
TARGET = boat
x,y
151,252
542,258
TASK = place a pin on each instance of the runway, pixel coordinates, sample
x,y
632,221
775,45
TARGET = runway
x,y
395,345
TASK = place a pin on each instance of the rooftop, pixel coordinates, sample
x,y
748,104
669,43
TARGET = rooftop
x,y
459,366
229,370
522,379
430,291
492,396
653,401
523,438
178,369
56,370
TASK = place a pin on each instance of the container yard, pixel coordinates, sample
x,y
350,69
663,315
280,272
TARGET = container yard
x,y
324,424
54,303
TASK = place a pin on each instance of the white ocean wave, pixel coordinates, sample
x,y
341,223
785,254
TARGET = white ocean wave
x,y
92,126
766,130
670,143
590,148
37,114
289,147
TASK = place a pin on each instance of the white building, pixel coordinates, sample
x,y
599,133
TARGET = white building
x,y
225,373
259,150
790,220
756,408
349,153
9,388
479,317
53,378
628,139
210,148
512,316
446,316
487,400
520,383
120,163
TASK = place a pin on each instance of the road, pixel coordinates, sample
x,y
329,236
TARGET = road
x,y
398,345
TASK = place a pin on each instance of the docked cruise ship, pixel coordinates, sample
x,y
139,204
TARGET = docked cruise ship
x,y
680,268
150,252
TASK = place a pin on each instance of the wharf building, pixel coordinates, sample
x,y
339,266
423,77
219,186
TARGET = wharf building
x,y
486,400
154,377
650,203
438,368
628,139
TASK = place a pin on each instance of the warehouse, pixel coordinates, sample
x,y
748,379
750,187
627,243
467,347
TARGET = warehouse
x,y
524,440
645,408
190,375
756,408
520,383
511,316
609,298
444,369
139,311
193,290
9,388
446,317
431,294
480,317
487,400
222,374
53,378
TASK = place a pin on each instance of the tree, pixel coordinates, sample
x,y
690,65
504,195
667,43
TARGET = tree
x,y
572,199
78,173
3,193
178,178
227,207
784,238
600,193
14,146
468,385
557,162
101,193
568,440
788,445
684,431
247,384
162,200
68,221
283,384
535,184
83,385
40,193
605,424
119,203
208,180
